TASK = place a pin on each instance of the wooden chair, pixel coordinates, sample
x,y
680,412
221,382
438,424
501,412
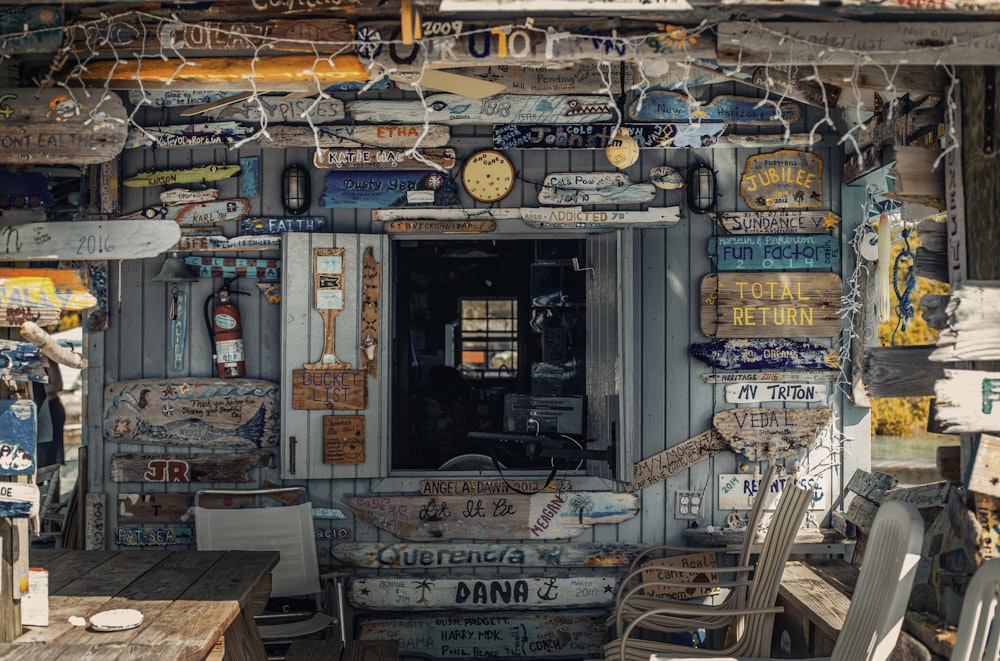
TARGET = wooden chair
x,y
51,511
875,616
755,620
978,636
632,602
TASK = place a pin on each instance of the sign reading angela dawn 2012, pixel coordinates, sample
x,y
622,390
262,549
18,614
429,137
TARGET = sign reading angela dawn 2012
x,y
785,179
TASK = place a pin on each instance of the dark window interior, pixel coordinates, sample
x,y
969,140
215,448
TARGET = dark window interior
x,y
530,377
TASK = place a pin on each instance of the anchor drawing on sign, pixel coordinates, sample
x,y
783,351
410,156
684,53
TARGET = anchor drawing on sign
x,y
328,299
548,596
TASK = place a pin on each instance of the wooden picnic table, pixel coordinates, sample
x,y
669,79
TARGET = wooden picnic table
x,y
196,605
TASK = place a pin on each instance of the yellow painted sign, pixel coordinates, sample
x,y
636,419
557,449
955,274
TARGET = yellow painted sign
x,y
44,289
785,179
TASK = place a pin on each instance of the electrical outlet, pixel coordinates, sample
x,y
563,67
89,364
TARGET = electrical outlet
x,y
688,505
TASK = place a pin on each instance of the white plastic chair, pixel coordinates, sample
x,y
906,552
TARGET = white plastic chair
x,y
978,630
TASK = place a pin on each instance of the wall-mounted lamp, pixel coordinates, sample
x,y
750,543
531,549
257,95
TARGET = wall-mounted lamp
x,y
701,188
295,190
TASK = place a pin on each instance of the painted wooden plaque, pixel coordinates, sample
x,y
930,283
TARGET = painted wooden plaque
x,y
21,361
279,110
87,240
188,135
967,401
196,213
766,354
439,226
539,516
265,226
383,188
371,284
765,304
184,469
454,109
680,569
18,437
194,175
171,507
404,136
488,176
428,592
784,179
490,487
265,270
18,500
503,635
806,376
383,159
666,106
328,300
154,536
774,252
677,458
53,126
327,389
569,188
212,242
768,433
576,217
762,392
95,521
598,136
25,191
380,555
28,29
922,496
403,213
183,196
585,77
776,222
208,413
344,439
738,491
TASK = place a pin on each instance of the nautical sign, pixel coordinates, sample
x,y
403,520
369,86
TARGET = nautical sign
x,y
569,188
264,226
29,29
769,377
18,437
379,159
195,175
510,108
16,500
188,135
51,125
490,487
539,516
737,491
774,252
662,105
371,282
409,555
25,190
598,136
279,110
747,393
422,593
439,226
21,361
764,304
776,222
178,325
967,401
577,217
87,240
267,270
677,458
329,389
766,354
209,413
184,469
381,188
196,213
784,179
386,135
343,439
768,433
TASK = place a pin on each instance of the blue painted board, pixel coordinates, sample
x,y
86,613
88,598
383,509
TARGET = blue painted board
x,y
154,536
260,226
665,106
18,437
378,190
249,176
25,190
268,270
766,353
21,361
774,252
27,29
598,136
10,509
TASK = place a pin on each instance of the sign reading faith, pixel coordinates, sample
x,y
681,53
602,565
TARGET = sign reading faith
x,y
769,433
785,179
774,252
776,304
328,299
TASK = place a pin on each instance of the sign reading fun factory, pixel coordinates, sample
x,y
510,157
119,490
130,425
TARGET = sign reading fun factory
x,y
785,179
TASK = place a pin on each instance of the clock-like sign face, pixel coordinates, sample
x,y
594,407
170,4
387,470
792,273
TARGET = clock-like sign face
x,y
488,176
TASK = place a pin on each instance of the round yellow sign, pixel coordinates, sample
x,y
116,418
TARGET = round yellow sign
x,y
488,176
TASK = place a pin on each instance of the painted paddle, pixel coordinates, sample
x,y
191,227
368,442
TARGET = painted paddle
x,y
193,175
513,108
774,252
266,226
770,433
371,283
666,106
766,354
87,240
776,222
328,300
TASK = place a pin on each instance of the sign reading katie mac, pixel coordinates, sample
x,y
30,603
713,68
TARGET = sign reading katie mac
x,y
785,179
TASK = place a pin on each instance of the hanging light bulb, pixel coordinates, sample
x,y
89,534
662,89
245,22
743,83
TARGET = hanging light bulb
x,y
623,150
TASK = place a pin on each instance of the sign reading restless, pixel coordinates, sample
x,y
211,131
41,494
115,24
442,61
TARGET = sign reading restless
x,y
785,179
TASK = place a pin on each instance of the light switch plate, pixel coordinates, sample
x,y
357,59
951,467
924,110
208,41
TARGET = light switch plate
x,y
689,504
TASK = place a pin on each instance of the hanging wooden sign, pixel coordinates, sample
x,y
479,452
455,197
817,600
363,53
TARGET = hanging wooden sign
x,y
178,326
383,188
18,437
738,491
768,433
774,252
576,217
195,175
536,135
53,126
25,190
384,159
767,354
402,136
279,110
762,392
755,304
265,226
344,439
480,593
268,270
677,458
188,135
371,283
776,222
185,469
329,390
217,242
154,536
28,29
380,555
439,226
21,361
678,569
184,196
454,109
208,413
503,634
328,300
784,179
803,376
568,188
770,140
87,240
196,213
17,500
42,290
539,516
666,106
171,507
967,401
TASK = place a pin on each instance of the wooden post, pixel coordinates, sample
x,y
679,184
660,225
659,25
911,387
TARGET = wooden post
x,y
10,608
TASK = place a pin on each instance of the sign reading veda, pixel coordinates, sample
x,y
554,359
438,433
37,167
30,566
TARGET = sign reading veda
x,y
776,222
769,433
785,179
774,252
771,304
775,353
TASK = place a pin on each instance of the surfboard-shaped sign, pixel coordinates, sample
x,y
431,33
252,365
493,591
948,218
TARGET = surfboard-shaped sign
x,y
666,106
785,392
539,516
208,413
568,135
197,213
576,217
279,110
774,252
480,593
195,175
383,159
568,188
403,136
18,437
766,354
382,188
87,240
776,222
410,555
770,433
21,361
184,469
188,135
511,108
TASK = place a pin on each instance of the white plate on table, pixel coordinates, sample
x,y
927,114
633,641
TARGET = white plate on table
x,y
118,619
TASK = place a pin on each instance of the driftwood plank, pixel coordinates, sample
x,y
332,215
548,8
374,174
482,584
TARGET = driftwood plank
x,y
377,555
984,465
512,108
195,175
364,159
934,494
667,106
973,314
169,468
967,401
576,217
536,135
196,213
387,188
748,393
385,135
677,458
801,376
775,353
186,136
573,188
871,486
770,432
902,371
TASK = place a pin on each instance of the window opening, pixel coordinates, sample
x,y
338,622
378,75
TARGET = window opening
x,y
487,344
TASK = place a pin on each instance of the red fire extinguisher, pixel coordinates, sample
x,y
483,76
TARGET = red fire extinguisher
x,y
226,332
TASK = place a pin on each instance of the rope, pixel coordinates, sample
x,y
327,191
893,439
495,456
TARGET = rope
x,y
906,309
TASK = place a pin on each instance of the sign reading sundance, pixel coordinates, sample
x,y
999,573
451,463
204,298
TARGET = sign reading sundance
x,y
771,304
